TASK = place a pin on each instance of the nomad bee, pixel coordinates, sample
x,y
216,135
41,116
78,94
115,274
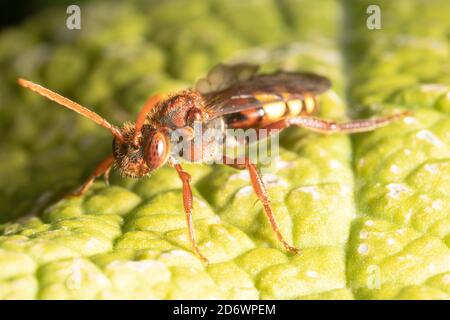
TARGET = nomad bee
x,y
230,97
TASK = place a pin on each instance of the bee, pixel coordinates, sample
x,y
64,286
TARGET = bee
x,y
230,97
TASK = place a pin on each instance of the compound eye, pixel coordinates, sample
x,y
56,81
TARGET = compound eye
x,y
156,151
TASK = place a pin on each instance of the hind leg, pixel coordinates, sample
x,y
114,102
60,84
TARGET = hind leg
x,y
327,126
353,126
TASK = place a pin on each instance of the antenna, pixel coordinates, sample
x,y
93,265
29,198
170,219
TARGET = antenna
x,y
72,106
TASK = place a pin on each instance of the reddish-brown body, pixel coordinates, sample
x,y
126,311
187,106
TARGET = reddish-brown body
x,y
173,112
274,101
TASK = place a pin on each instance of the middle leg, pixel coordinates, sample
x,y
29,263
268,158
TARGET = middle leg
x,y
261,192
187,203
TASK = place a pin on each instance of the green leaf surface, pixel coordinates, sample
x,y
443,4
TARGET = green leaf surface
x,y
370,212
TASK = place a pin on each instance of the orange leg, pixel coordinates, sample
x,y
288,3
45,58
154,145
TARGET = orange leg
x,y
353,126
103,167
261,192
327,126
187,203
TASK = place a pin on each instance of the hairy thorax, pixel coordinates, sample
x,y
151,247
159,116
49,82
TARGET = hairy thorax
x,y
173,111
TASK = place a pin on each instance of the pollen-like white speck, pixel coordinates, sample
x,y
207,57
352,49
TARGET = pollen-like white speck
x,y
312,274
346,190
432,267
312,190
202,204
242,175
429,137
281,164
401,231
363,248
245,191
335,164
432,168
394,169
369,223
396,190
177,254
208,244
437,204
334,97
390,241
407,152
409,120
424,197
361,162
405,257
92,243
363,235
274,180
408,216
75,277
433,87
322,153
269,179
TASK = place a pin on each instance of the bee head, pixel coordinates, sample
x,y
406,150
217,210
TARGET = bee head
x,y
138,155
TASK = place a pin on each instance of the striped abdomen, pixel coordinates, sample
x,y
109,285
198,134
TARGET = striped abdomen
x,y
270,108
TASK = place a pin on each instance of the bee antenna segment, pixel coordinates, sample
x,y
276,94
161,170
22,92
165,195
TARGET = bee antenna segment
x,y
72,106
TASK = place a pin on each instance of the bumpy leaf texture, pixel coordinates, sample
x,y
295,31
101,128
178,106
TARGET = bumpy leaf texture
x,y
371,211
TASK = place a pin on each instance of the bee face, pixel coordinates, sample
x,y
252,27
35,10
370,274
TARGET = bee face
x,y
128,155
135,159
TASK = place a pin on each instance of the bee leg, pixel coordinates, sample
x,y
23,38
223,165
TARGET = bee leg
x,y
261,192
274,127
106,175
187,203
354,126
102,168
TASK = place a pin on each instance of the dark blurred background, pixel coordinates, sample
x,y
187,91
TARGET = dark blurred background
x,y
14,12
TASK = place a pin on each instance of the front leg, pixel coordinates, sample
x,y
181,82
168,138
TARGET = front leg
x,y
261,192
102,168
188,204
